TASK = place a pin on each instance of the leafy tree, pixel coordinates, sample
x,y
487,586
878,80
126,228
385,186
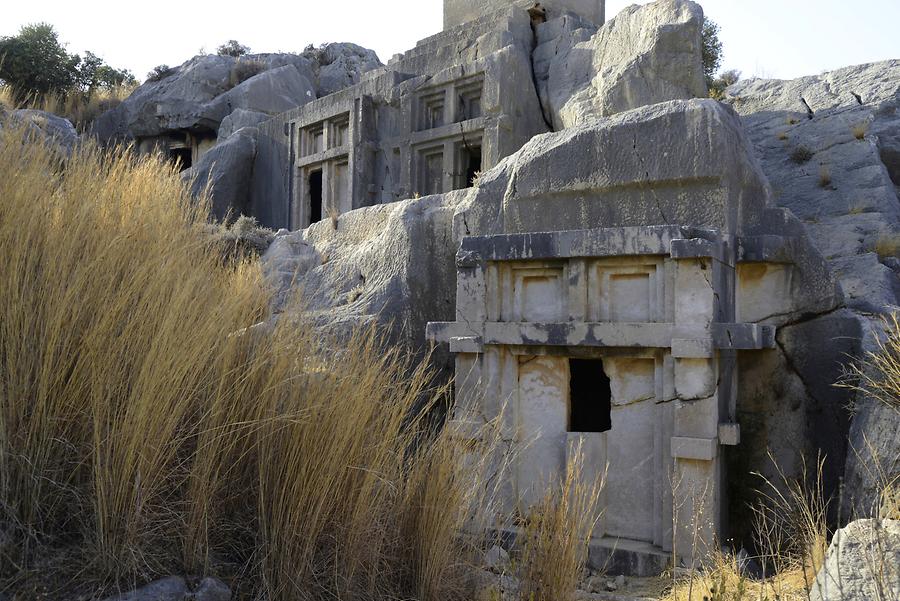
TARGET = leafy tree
x,y
712,61
93,73
232,48
34,62
712,50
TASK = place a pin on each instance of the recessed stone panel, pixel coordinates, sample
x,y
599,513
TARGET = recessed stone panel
x,y
539,295
541,420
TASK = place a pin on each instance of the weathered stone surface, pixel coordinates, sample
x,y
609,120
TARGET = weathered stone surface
x,y
869,285
200,93
226,169
886,129
828,144
340,65
238,119
822,141
272,92
682,162
873,83
818,350
171,103
212,589
873,457
496,559
555,39
645,55
392,263
288,259
863,563
56,131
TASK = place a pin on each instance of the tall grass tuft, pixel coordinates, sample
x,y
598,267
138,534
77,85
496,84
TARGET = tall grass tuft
x,y
791,539
151,420
114,320
556,537
878,373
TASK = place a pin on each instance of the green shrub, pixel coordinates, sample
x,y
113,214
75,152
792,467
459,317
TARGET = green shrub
x,y
719,84
711,50
232,48
160,72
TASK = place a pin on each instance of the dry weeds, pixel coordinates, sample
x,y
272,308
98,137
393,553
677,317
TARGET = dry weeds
x,y
149,422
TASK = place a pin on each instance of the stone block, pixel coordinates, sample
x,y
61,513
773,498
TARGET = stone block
x,y
697,449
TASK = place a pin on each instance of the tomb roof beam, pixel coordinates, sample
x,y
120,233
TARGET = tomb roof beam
x,y
687,341
592,243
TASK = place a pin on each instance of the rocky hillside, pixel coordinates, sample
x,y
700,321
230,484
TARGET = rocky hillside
x,y
202,92
830,147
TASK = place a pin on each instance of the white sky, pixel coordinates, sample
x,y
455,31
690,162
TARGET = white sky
x,y
770,38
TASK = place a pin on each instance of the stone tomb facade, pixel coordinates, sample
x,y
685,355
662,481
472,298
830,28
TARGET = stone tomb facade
x,y
427,123
364,148
620,342
183,147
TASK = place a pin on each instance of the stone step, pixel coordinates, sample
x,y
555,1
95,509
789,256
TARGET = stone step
x,y
630,558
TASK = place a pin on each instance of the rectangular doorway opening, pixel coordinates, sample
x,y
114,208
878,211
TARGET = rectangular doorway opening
x,y
590,396
181,157
468,164
472,165
315,197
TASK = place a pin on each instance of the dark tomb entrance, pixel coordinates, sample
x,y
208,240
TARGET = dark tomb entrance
x,y
590,396
315,197
183,157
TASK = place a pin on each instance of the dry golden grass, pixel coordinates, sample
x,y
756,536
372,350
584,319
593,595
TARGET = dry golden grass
x,y
824,177
888,245
6,97
78,107
860,130
877,374
556,537
148,422
723,581
791,536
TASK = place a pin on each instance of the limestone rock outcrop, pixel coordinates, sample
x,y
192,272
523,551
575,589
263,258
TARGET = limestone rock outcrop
x,y
273,91
645,55
226,169
829,146
240,118
873,459
392,263
863,563
817,142
55,130
340,65
199,94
